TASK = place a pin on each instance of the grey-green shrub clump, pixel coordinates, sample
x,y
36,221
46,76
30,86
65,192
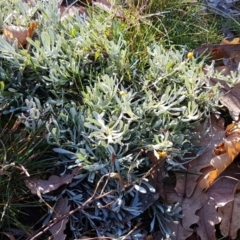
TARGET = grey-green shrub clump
x,y
105,105
117,122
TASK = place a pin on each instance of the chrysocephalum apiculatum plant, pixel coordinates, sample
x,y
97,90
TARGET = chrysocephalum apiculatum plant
x,y
106,102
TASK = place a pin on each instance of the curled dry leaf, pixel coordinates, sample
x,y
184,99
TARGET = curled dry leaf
x,y
44,186
219,194
18,33
187,182
208,218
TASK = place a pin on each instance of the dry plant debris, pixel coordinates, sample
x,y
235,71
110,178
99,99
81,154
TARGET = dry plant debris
x,y
208,196
61,208
46,186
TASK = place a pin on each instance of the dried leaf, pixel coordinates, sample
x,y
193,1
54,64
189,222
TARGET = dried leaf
x,y
233,41
187,181
18,33
218,51
230,149
191,184
156,173
223,193
224,70
60,209
45,186
31,29
230,221
208,218
231,100
224,87
230,96
198,190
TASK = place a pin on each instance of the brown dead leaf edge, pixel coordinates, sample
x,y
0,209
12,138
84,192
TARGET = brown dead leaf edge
x,y
208,198
61,208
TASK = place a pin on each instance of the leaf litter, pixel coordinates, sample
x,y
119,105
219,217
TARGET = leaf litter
x,y
207,196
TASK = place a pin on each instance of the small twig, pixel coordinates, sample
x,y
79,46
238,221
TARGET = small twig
x,y
130,232
54,221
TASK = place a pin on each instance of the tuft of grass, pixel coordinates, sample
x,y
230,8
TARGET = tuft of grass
x,y
22,152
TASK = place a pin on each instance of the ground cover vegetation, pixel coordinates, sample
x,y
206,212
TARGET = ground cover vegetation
x,y
101,113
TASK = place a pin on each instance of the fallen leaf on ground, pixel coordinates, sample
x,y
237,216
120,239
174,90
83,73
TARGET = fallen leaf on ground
x,y
224,192
214,134
233,41
20,34
60,209
156,173
219,51
44,186
231,100
208,218
230,96
201,191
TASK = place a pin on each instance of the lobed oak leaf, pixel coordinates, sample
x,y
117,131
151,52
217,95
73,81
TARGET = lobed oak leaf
x,y
208,218
200,189
230,223
190,205
223,193
200,166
